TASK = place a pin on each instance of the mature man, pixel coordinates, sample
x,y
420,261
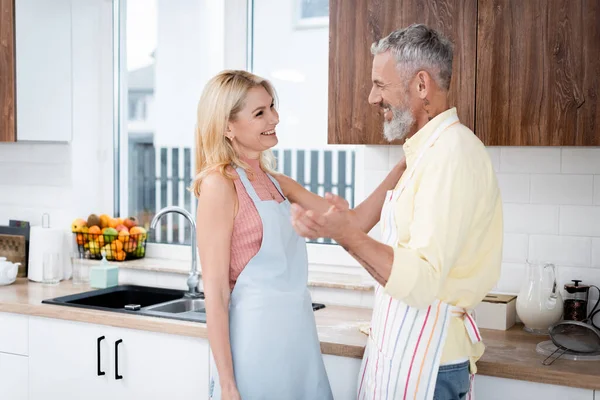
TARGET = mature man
x,y
441,228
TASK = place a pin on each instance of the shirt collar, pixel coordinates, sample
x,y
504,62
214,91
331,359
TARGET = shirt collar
x,y
414,144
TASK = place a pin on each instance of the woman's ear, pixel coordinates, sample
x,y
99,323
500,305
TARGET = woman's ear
x,y
228,133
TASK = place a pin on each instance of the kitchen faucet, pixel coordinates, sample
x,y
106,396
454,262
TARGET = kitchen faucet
x,y
193,277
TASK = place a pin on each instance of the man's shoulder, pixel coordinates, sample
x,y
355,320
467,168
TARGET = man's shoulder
x,y
459,146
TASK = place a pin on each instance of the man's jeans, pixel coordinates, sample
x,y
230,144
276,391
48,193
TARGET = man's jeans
x,y
453,382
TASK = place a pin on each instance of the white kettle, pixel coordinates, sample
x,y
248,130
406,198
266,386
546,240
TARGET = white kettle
x,y
8,271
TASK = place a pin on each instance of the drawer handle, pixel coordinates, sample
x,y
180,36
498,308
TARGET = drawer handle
x,y
100,372
117,376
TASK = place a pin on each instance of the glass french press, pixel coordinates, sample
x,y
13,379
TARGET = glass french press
x,y
576,302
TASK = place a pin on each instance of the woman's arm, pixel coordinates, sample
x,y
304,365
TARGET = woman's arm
x,y
366,213
215,215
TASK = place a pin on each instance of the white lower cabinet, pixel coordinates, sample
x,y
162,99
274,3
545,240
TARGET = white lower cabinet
x,y
13,377
492,388
343,376
73,360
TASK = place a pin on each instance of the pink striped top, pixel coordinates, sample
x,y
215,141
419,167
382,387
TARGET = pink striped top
x,y
247,233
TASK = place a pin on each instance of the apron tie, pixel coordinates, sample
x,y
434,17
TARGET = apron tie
x,y
469,321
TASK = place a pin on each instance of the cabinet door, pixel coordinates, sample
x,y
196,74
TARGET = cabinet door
x,y
13,377
43,70
64,363
491,388
7,71
537,73
155,365
355,24
343,375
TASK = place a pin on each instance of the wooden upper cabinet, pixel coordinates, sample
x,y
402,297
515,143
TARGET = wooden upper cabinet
x,y
538,72
356,24
7,71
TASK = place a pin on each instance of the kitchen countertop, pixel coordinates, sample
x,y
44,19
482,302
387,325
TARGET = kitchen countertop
x,y
509,354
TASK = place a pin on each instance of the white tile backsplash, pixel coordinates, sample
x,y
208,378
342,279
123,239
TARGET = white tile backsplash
x,y
530,159
581,161
530,218
515,247
396,154
580,220
494,153
562,189
376,157
514,187
551,201
511,278
569,251
596,253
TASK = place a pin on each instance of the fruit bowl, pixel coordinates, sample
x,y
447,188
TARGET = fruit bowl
x,y
118,239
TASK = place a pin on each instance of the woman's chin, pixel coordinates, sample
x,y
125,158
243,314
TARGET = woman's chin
x,y
269,141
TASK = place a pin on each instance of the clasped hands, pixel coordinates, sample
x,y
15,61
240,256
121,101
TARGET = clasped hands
x,y
336,223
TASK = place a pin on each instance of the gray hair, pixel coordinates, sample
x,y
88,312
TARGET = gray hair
x,y
419,47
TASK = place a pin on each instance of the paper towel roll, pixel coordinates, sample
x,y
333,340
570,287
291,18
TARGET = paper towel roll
x,y
46,240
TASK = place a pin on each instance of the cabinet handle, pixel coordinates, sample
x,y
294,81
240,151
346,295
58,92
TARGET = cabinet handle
x,y
117,376
101,338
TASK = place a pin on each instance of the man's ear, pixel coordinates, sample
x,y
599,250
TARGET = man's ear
x,y
424,83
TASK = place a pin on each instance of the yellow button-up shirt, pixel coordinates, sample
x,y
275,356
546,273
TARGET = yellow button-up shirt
x,y
449,224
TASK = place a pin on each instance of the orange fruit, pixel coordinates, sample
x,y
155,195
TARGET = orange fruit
x,y
120,255
123,236
95,230
116,246
104,219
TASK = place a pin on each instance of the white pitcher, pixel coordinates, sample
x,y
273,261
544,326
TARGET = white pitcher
x,y
539,303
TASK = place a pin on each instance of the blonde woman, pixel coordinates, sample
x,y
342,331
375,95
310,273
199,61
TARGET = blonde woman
x,y
261,326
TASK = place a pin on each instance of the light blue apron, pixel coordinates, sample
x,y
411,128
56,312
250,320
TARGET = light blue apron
x,y
274,343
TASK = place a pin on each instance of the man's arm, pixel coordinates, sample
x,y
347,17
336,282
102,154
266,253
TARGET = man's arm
x,y
444,209
366,214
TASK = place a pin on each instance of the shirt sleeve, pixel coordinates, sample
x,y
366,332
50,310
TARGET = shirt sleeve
x,y
444,207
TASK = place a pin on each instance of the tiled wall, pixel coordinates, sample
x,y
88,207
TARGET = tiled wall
x,y
551,207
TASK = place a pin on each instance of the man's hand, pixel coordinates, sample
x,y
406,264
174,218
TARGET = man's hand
x,y
335,223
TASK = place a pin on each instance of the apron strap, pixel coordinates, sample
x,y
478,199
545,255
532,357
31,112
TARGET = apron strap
x,y
469,321
247,185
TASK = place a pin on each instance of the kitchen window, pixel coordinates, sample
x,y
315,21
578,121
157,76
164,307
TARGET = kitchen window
x,y
165,61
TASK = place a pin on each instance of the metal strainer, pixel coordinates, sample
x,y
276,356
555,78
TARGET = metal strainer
x,y
573,336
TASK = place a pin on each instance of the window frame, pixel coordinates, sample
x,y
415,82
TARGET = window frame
x,y
321,257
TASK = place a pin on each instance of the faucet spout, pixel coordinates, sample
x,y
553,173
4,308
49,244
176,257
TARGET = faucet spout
x,y
194,276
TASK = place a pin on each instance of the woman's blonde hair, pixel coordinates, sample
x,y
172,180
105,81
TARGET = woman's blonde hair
x,y
223,97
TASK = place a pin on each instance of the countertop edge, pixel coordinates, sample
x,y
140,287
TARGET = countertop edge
x,y
550,377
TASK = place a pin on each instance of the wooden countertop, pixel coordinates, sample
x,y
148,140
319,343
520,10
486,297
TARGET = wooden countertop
x,y
509,354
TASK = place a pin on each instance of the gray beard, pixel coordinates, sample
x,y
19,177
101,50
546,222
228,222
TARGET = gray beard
x,y
400,124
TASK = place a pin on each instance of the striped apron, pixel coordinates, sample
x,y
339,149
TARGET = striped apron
x,y
402,357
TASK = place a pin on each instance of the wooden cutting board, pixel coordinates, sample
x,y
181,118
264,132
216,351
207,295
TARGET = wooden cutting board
x,y
13,248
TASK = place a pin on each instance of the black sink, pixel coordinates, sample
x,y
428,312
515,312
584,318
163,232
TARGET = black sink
x,y
118,297
121,296
141,300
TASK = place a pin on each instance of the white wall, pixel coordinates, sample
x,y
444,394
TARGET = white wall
x,y
69,180
551,207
